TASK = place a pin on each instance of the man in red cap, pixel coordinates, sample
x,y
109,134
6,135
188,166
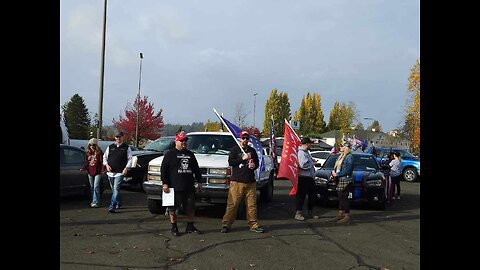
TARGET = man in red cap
x,y
242,185
179,171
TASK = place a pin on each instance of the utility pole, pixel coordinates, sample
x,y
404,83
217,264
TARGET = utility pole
x,y
254,104
138,100
102,73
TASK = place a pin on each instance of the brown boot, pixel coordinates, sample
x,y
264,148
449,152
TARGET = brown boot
x,y
344,220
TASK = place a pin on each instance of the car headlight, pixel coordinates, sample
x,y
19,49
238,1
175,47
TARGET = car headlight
x,y
154,168
321,181
217,181
154,177
225,171
374,183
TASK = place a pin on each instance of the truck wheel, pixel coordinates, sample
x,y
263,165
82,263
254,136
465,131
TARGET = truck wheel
x,y
266,193
410,175
155,206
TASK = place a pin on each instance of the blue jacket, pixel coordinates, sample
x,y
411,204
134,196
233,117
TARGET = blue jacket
x,y
347,166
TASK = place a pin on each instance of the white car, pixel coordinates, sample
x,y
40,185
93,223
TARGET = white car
x,y
320,157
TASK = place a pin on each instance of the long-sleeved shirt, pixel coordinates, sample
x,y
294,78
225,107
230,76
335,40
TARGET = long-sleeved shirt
x,y
240,170
129,158
180,169
305,163
347,166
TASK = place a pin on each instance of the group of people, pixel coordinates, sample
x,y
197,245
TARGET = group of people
x,y
115,161
181,172
342,171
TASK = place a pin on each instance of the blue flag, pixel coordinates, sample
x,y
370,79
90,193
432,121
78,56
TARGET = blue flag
x,y
253,142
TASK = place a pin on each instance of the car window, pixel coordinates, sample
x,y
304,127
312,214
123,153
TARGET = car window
x,y
72,156
364,163
405,154
330,162
160,145
322,155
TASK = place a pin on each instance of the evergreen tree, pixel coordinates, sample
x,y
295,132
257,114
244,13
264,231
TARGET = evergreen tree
x,y
77,118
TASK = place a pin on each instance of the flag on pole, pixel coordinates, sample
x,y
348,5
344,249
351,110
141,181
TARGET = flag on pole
x,y
273,145
253,142
289,162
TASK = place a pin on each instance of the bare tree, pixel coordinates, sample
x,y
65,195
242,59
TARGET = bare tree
x,y
240,115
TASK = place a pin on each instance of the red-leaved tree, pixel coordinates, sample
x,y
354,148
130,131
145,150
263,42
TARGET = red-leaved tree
x,y
150,125
253,131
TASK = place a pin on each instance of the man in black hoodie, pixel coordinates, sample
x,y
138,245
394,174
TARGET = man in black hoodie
x,y
179,171
244,161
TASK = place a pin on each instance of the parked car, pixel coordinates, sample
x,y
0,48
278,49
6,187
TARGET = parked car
x,y
320,156
138,172
369,181
73,181
211,150
410,163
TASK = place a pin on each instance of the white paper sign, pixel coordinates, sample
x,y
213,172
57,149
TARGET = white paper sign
x,y
168,199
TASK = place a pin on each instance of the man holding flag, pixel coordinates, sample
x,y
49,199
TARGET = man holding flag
x,y
244,161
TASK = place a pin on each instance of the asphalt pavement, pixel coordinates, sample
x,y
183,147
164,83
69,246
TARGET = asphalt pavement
x,y
133,238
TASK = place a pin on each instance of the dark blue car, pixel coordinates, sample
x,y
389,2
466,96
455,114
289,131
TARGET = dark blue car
x,y
369,184
410,163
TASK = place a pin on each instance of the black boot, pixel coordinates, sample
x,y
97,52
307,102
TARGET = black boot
x,y
175,230
192,229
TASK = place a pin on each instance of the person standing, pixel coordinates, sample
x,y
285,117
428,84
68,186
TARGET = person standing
x,y
95,168
396,172
306,182
117,158
344,168
243,185
179,171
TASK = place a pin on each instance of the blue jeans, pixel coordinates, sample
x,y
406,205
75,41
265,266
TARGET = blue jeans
x,y
95,187
115,186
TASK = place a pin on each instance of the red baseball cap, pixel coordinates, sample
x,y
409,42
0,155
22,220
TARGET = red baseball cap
x,y
244,134
181,137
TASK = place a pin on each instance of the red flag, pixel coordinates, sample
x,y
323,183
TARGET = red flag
x,y
288,167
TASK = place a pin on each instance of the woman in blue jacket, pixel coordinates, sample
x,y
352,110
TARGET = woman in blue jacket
x,y
343,170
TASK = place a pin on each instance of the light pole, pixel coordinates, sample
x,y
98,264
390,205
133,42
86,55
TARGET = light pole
x,y
254,103
102,73
138,100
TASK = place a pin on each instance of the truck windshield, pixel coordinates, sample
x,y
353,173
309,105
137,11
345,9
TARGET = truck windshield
x,y
210,144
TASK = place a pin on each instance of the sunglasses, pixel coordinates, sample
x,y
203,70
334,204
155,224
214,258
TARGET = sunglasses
x,y
244,138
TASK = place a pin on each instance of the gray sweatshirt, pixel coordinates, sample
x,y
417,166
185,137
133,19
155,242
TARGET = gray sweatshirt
x,y
305,163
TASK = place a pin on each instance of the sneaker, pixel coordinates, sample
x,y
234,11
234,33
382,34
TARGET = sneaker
x,y
118,206
111,211
393,198
225,230
94,205
298,216
257,230
398,197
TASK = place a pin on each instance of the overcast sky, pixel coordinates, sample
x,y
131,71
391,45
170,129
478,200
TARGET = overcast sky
x,y
204,54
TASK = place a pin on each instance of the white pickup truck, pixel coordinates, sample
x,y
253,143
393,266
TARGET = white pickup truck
x,y
211,150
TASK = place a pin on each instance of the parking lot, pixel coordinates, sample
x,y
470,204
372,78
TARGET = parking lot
x,y
133,238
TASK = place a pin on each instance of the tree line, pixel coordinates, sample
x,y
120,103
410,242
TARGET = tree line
x,y
343,116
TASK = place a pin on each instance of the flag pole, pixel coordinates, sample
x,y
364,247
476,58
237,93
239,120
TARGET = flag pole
x,y
231,133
